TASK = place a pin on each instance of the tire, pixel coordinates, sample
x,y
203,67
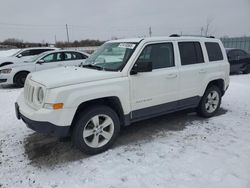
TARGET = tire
x,y
210,102
91,134
247,70
20,78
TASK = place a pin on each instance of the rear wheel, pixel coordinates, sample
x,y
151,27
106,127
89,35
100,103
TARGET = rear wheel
x,y
247,70
210,102
20,78
96,129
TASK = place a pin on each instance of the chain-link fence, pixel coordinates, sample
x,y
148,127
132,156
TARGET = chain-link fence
x,y
237,42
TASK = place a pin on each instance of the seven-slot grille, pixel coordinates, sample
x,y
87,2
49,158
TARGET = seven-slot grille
x,y
29,92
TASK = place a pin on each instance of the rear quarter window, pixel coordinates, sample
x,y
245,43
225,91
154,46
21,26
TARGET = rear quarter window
x,y
214,51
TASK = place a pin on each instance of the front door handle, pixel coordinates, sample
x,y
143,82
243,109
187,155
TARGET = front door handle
x,y
171,76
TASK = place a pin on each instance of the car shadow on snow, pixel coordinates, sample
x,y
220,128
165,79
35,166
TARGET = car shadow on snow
x,y
47,151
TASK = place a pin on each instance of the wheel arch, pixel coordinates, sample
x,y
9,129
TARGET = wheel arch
x,y
19,72
112,102
220,83
6,63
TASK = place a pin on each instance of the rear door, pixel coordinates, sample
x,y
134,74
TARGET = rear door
x,y
73,58
192,73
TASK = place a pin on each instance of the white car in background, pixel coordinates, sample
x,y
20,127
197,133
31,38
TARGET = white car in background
x,y
16,73
24,55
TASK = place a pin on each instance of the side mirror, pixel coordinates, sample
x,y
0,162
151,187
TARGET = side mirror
x,y
19,56
141,66
41,61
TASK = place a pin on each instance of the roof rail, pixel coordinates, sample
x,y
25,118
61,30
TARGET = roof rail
x,y
176,35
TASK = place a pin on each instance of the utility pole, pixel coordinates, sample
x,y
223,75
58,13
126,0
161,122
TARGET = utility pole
x,y
150,31
55,39
67,30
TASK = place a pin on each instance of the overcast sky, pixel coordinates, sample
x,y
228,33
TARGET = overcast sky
x,y
33,20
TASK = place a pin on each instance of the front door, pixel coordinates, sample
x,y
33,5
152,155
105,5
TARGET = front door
x,y
50,61
155,92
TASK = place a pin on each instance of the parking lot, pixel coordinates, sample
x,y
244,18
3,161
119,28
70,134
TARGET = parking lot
x,y
176,150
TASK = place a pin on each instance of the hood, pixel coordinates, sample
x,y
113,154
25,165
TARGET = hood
x,y
7,60
64,76
8,53
13,65
13,60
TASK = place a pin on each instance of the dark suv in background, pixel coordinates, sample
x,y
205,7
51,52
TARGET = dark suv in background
x,y
239,60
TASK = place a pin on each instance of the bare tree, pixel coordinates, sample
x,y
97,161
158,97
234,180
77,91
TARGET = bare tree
x,y
208,28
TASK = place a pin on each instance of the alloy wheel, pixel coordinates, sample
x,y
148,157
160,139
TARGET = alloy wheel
x,y
98,131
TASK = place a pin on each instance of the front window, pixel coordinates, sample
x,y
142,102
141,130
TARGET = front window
x,y
36,58
54,57
111,56
16,53
161,55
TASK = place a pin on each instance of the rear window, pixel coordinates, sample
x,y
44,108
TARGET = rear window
x,y
214,51
191,53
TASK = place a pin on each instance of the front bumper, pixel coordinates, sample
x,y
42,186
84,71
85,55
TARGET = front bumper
x,y
42,126
6,79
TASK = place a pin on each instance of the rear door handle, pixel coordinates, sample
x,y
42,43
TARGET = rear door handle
x,y
171,76
202,71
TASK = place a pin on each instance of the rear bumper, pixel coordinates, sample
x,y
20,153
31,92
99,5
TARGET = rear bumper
x,y
43,127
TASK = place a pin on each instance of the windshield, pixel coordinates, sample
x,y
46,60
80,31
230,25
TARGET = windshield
x,y
17,52
111,56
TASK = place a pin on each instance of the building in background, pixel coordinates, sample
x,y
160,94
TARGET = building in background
x,y
237,42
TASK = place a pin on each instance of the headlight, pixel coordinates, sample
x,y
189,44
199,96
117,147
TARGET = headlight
x,y
40,95
5,71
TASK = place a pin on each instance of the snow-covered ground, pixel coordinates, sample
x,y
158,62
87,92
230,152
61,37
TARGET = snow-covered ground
x,y
173,151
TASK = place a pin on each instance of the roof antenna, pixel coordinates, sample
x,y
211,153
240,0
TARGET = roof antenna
x,y
150,31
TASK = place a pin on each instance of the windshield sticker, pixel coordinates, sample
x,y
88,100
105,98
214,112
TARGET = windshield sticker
x,y
126,45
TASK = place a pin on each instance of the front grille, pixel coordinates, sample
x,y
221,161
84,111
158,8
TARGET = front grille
x,y
29,91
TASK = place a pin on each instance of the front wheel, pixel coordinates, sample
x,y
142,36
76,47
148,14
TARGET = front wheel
x,y
96,129
210,102
20,78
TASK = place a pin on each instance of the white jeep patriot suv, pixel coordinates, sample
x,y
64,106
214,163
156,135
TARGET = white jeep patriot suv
x,y
125,81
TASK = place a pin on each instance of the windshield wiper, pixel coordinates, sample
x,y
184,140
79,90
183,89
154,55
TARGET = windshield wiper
x,y
92,66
